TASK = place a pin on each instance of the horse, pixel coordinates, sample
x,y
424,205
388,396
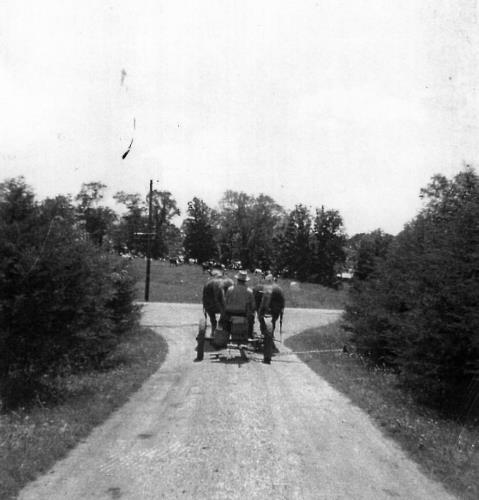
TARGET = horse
x,y
214,298
269,299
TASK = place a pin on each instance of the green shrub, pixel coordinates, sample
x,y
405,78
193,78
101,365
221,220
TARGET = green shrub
x,y
418,310
63,302
123,311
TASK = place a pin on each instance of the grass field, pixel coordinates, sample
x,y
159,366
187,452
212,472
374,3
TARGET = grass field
x,y
446,449
185,284
32,440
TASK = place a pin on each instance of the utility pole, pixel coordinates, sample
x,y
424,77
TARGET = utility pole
x,y
148,245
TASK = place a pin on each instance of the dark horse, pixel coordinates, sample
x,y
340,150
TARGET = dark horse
x,y
214,298
269,299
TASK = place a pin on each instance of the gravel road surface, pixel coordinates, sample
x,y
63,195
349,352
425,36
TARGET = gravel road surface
x,y
230,428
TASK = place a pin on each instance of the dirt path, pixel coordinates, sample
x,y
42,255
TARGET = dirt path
x,y
223,429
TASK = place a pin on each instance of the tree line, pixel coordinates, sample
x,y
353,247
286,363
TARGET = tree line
x,y
260,233
256,230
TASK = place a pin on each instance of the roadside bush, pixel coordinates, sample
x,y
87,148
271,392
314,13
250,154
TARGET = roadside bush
x,y
63,302
418,310
123,311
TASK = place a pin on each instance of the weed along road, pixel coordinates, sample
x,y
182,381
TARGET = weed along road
x,y
233,428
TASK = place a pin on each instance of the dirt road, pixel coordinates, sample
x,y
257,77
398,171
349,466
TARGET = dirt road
x,y
227,428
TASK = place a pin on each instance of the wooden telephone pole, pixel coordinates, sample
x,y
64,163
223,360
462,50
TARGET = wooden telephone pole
x,y
148,245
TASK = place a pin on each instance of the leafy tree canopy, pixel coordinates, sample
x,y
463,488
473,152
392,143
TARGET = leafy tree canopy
x,y
199,240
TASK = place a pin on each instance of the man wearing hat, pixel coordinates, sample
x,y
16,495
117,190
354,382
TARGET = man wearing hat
x,y
240,300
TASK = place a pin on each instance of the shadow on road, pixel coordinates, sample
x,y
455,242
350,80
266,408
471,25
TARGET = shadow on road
x,y
231,357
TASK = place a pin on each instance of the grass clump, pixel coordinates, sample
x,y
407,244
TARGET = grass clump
x,y
446,447
33,438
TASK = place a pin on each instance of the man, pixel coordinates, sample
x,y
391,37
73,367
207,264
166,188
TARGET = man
x,y
265,305
239,300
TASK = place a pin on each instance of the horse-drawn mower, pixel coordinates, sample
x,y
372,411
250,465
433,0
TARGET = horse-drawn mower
x,y
233,333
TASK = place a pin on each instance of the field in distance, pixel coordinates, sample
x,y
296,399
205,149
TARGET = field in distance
x,y
184,283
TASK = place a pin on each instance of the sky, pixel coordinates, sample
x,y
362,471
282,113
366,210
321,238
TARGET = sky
x,y
350,104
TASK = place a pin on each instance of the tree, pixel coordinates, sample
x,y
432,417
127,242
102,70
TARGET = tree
x,y
294,254
418,311
265,217
16,201
130,234
62,300
235,227
370,249
198,229
328,242
59,207
98,220
246,226
164,209
174,240
18,227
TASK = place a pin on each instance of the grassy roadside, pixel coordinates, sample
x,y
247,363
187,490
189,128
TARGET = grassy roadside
x,y
446,449
185,284
31,440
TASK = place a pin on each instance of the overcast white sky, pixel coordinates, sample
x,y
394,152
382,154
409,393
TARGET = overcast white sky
x,y
347,103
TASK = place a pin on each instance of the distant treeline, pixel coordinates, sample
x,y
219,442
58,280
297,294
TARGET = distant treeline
x,y
252,229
